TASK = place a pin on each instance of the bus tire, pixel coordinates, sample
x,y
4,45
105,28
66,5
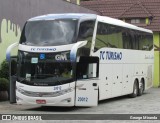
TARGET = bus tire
x,y
135,89
141,88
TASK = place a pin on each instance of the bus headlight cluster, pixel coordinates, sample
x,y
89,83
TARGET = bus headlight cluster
x,y
66,91
20,90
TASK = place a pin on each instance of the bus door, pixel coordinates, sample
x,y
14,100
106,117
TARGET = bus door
x,y
86,84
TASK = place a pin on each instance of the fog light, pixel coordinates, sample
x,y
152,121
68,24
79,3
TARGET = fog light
x,y
18,98
66,100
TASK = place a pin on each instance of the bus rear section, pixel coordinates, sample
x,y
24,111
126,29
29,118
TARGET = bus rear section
x,y
126,56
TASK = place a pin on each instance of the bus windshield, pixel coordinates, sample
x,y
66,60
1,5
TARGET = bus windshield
x,y
44,69
49,32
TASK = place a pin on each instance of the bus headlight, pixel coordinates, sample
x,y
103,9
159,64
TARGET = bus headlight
x,y
66,91
66,100
62,92
20,90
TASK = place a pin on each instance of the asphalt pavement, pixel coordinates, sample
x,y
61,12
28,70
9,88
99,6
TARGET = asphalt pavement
x,y
148,103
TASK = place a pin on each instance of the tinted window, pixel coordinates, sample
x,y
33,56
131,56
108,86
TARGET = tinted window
x,y
86,33
145,41
120,37
86,30
108,36
130,40
44,69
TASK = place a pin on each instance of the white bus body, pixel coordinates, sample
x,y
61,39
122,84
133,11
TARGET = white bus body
x,y
106,58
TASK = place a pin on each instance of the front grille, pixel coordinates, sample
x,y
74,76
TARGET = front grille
x,y
44,94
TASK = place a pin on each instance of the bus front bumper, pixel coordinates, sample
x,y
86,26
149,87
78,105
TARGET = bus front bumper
x,y
46,96
63,100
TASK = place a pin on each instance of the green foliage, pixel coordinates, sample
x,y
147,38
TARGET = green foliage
x,y
4,84
4,71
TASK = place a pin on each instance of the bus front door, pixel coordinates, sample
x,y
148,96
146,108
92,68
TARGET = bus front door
x,y
86,84
86,92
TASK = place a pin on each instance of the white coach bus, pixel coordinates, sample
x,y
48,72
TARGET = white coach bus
x,y
79,59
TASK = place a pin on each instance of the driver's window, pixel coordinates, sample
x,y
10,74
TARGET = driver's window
x,y
88,68
92,68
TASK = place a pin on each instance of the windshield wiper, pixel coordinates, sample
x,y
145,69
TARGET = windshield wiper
x,y
58,80
24,79
20,80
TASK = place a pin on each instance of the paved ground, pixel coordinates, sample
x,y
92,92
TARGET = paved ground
x,y
149,103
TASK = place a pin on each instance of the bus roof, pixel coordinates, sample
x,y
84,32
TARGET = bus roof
x,y
84,16
64,16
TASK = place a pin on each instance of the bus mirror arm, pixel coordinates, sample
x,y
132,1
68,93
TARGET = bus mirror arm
x,y
9,49
12,79
73,53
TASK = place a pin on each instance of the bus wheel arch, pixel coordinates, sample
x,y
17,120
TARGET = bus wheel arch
x,y
141,87
135,89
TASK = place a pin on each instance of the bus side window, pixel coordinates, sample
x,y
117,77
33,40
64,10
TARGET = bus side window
x,y
126,40
108,36
146,41
86,33
86,30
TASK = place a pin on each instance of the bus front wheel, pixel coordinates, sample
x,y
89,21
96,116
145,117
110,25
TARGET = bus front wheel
x,y
135,89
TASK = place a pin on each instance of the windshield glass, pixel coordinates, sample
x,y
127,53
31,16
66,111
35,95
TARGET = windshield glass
x,y
44,69
49,32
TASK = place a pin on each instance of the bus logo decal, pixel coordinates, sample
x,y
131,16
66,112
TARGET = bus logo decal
x,y
60,57
42,56
43,49
108,55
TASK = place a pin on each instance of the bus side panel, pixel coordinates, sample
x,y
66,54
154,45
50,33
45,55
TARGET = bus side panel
x,y
128,70
149,78
117,80
105,81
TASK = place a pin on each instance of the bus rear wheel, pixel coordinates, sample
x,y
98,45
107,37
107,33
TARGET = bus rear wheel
x,y
135,89
141,88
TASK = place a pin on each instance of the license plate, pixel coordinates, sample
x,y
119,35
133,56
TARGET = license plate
x,y
41,101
